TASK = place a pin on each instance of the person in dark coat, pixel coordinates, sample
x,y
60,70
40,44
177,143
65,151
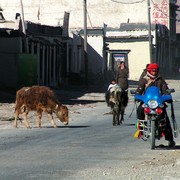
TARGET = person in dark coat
x,y
152,78
144,72
122,76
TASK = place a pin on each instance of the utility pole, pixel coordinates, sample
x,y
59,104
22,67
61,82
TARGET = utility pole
x,y
23,26
22,16
149,29
85,43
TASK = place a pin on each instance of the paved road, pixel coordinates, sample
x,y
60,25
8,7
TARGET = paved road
x,y
88,148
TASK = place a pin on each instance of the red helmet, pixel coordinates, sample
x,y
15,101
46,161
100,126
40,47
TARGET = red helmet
x,y
153,67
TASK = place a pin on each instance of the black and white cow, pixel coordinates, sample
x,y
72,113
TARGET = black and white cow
x,y
117,99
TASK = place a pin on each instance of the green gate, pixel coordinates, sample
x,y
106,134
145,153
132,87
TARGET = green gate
x,y
27,70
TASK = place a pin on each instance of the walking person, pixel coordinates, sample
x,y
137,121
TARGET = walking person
x,y
122,76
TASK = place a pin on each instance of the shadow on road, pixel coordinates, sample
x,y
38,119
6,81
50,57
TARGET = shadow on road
x,y
163,147
68,127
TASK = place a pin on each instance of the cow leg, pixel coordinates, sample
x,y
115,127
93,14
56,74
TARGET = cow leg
x,y
122,116
117,119
18,110
114,119
118,122
117,111
25,119
16,117
39,118
52,120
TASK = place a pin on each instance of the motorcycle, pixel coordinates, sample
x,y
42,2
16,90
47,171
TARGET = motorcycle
x,y
154,124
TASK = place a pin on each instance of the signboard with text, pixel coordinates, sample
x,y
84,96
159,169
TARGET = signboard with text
x,y
160,12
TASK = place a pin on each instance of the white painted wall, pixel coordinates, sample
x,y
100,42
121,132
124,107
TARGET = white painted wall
x,y
138,57
51,12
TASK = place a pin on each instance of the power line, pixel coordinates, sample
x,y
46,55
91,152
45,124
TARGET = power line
x,y
120,2
89,19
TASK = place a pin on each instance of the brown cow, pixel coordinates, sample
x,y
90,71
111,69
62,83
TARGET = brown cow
x,y
39,98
